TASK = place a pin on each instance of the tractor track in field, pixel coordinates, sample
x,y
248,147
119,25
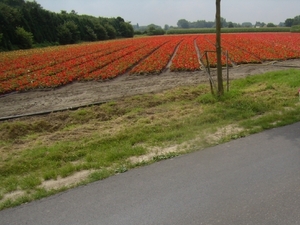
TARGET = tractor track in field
x,y
80,94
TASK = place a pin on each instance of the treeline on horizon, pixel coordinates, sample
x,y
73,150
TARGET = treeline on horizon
x,y
183,23
24,24
202,26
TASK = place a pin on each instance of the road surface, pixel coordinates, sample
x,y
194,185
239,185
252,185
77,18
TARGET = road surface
x,y
253,180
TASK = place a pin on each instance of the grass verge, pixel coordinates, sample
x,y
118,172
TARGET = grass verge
x,y
43,155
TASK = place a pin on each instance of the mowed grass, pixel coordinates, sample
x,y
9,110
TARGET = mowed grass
x,y
117,136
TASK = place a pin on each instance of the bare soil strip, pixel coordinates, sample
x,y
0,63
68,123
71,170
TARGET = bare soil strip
x,y
85,93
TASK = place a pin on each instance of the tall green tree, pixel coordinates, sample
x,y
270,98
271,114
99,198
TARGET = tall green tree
x,y
230,25
111,31
154,30
271,25
223,22
183,23
296,20
34,19
1,36
90,34
24,38
123,29
73,28
13,3
126,30
68,33
10,19
289,22
247,24
64,34
49,27
100,31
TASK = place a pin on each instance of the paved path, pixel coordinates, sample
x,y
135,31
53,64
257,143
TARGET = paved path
x,y
254,180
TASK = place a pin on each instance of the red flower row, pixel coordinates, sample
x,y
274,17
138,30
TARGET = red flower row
x,y
49,76
158,60
21,64
124,64
186,58
56,66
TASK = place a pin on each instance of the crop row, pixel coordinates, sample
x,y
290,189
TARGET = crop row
x,y
52,67
158,60
186,58
124,64
45,58
253,48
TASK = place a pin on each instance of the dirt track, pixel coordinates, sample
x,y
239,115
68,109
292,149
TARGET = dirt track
x,y
79,94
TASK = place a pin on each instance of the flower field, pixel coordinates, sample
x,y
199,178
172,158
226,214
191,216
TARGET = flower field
x,y
57,66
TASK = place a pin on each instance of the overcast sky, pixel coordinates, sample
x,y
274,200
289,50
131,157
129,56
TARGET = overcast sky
x,y
161,12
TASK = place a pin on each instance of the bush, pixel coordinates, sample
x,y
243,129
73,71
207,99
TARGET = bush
x,y
64,35
111,31
126,30
68,33
100,31
271,25
24,38
295,29
137,32
90,34
155,31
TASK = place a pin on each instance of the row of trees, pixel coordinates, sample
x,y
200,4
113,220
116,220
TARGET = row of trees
x,y
151,29
23,23
292,21
183,23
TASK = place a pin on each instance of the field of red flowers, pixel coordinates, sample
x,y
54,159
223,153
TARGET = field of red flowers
x,y
57,66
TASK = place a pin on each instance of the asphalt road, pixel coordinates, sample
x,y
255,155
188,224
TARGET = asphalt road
x,y
253,180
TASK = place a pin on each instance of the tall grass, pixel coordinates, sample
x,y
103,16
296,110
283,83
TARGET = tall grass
x,y
295,29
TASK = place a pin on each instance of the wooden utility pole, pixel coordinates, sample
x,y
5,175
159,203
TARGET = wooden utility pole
x,y
219,48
